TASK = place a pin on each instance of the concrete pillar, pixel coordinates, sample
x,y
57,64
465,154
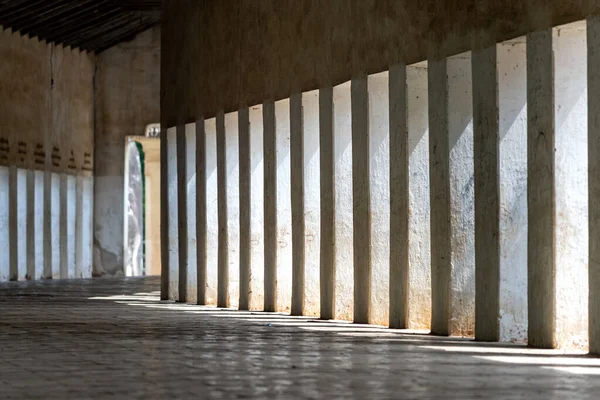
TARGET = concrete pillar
x,y
593,75
541,189
30,223
419,254
55,222
233,207
487,193
399,198
257,267
88,224
270,206
4,224
297,197
80,247
312,203
47,273
245,176
361,200
223,268
13,223
284,207
571,185
164,215
462,196
343,192
182,213
64,227
327,189
439,169
379,187
173,211
71,221
22,222
201,217
451,188
593,43
39,224
212,212
512,100
190,214
83,226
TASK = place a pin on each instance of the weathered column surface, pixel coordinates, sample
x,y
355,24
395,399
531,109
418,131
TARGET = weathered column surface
x,y
297,201
201,227
245,174
540,189
182,229
593,43
164,216
270,206
487,193
13,222
64,218
399,198
327,176
31,203
190,214
439,173
223,266
361,199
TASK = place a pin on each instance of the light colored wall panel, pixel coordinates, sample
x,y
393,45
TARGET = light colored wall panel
x,y
344,253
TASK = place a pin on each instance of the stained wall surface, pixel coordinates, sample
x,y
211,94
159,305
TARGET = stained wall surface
x,y
220,55
127,100
46,105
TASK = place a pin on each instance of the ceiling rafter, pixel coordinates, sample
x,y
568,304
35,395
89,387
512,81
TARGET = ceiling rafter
x,y
91,25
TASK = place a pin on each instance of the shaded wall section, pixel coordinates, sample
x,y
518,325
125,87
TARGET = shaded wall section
x,y
127,100
46,105
221,55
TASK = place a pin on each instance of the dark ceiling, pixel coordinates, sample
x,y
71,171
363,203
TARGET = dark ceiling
x,y
91,25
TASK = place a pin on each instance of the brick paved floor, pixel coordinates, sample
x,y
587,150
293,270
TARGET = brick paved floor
x,y
113,338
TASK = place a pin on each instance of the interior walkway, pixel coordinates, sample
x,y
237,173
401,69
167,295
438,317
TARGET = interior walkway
x,y
112,337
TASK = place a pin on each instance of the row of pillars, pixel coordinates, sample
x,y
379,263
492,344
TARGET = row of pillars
x,y
181,166
47,224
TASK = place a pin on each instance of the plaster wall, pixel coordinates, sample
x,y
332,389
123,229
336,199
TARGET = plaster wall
x,y
22,222
39,220
344,250
312,203
71,215
127,100
4,233
257,272
87,228
570,93
378,88
46,95
55,213
173,211
419,308
153,258
460,131
284,207
512,101
212,231
224,55
233,205
192,248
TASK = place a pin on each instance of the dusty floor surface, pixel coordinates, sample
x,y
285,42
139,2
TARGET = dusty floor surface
x,y
113,338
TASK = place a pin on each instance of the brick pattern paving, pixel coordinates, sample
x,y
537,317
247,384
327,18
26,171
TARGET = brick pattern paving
x,y
113,338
